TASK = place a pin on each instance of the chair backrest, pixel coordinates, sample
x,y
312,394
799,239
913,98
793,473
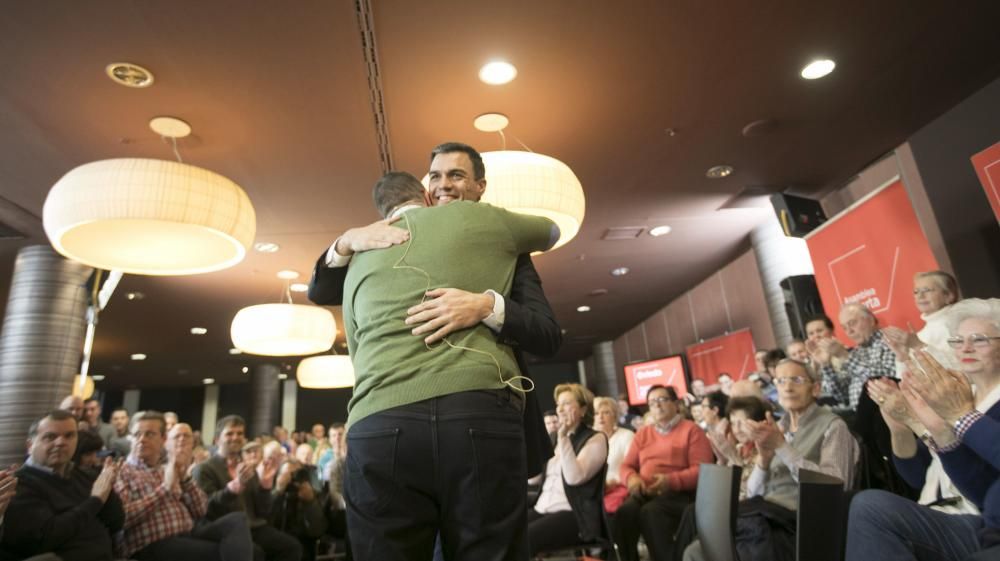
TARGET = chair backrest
x,y
822,517
715,510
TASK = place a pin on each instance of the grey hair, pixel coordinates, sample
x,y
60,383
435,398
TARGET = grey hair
x,y
813,374
974,308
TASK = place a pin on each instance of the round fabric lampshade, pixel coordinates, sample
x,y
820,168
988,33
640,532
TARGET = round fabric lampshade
x,y
86,391
149,217
283,330
326,371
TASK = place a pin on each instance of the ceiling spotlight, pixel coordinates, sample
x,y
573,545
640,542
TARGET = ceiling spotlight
x,y
491,122
659,231
497,72
298,287
246,369
818,69
134,296
717,172
282,376
98,377
235,351
619,271
583,308
288,274
266,247
208,381
138,356
198,331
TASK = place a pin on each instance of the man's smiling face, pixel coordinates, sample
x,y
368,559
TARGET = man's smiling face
x,y
452,179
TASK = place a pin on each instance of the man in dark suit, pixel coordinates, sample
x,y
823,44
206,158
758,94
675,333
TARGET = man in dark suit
x,y
525,320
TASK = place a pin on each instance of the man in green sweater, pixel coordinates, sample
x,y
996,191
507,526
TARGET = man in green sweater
x,y
434,440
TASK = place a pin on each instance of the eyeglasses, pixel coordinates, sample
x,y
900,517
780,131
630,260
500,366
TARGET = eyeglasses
x,y
794,380
659,400
978,340
924,290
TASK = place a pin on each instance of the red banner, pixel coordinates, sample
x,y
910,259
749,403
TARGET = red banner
x,y
732,354
641,376
987,164
868,254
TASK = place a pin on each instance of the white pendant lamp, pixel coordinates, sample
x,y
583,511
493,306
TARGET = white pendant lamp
x,y
283,330
325,372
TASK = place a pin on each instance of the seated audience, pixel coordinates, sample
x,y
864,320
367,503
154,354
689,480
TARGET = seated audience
x,y
568,510
713,411
171,418
57,507
821,344
619,440
551,422
695,393
871,358
746,388
933,294
120,443
660,471
961,427
297,510
797,350
807,437
74,405
96,425
725,383
88,452
626,413
233,485
163,505
771,360
335,453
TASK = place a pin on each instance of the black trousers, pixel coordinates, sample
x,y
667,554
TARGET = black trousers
x,y
452,465
275,545
655,518
552,531
225,539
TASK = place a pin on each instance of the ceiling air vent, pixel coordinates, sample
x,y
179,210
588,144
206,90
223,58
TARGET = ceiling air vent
x,y
626,233
129,74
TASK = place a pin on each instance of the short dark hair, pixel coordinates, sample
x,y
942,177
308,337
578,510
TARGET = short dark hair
x,y
671,392
335,425
88,400
717,400
478,167
86,443
773,357
117,409
149,416
55,415
820,317
234,420
549,413
755,409
394,189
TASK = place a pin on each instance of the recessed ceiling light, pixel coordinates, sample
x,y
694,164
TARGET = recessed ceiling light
x,y
282,376
660,231
198,331
134,296
129,74
599,292
98,377
716,172
619,271
138,356
266,247
235,351
497,72
208,381
288,274
246,369
299,287
818,69
491,122
583,308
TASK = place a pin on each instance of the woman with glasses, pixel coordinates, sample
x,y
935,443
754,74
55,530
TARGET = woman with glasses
x,y
933,293
660,471
957,415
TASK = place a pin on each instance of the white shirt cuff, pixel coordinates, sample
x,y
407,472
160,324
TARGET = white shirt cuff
x,y
495,320
334,259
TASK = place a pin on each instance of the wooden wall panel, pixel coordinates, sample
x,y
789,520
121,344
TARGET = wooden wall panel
x,y
711,317
680,324
637,347
745,295
656,335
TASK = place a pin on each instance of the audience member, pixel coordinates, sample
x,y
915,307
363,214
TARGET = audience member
x,y
759,360
797,350
317,435
821,344
626,413
551,421
871,358
163,504
569,507
304,453
88,452
661,473
281,435
933,294
807,437
59,508
746,388
962,430
74,405
713,413
335,453
171,418
297,510
725,383
619,440
96,425
233,485
771,360
695,392
120,443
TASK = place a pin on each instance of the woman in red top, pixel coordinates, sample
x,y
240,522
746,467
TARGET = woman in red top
x,y
661,473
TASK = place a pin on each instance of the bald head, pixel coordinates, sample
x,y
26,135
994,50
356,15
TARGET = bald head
x,y
74,405
858,322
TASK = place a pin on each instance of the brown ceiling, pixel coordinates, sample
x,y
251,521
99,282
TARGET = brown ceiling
x,y
278,97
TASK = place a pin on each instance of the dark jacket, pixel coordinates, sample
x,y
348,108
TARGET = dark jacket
x,y
53,514
587,498
212,476
529,326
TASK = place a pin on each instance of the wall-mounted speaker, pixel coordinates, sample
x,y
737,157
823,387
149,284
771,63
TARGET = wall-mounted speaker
x,y
802,302
797,215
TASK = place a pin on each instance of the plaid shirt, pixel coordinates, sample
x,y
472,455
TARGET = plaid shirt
x,y
870,359
151,512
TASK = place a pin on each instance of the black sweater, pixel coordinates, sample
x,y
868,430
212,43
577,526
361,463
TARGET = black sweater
x,y
53,514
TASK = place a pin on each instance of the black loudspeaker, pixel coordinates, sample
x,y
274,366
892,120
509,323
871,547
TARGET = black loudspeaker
x,y
801,302
798,215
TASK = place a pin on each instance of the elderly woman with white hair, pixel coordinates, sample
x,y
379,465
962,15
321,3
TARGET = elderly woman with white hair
x,y
934,292
957,415
619,439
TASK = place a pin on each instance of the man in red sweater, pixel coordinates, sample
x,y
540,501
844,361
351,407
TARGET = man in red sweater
x,y
661,473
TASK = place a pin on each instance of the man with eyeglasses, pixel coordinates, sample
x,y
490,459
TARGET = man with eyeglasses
x,y
807,437
870,358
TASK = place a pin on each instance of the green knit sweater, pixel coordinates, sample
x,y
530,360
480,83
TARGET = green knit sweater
x,y
471,246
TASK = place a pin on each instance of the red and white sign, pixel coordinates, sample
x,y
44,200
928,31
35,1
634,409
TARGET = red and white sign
x,y
732,354
868,254
987,164
641,376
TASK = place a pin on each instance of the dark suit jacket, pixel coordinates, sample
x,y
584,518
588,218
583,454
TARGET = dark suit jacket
x,y
212,476
529,326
